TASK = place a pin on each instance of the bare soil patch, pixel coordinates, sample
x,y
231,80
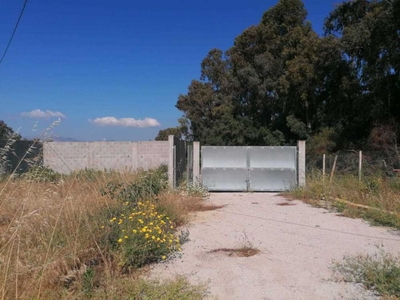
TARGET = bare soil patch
x,y
239,252
285,204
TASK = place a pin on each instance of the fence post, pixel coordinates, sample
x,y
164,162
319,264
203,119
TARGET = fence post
x,y
323,167
171,162
196,163
360,166
176,166
333,168
301,168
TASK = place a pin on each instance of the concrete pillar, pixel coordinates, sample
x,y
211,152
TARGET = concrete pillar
x,y
301,168
196,163
176,164
171,163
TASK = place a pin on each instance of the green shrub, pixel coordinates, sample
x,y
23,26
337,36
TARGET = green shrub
x,y
143,235
149,184
42,174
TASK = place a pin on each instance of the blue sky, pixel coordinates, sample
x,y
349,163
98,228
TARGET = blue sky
x,y
84,60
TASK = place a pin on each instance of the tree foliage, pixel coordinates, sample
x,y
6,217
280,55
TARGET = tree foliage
x,y
6,132
280,81
181,131
164,133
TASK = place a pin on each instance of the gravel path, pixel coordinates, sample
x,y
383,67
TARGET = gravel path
x,y
297,245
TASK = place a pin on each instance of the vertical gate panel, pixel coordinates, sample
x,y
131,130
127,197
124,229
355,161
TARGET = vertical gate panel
x,y
272,168
224,168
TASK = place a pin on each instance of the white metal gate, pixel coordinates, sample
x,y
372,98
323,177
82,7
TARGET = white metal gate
x,y
249,168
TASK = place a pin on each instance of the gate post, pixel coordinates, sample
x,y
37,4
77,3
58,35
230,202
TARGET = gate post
x,y
301,167
196,163
171,162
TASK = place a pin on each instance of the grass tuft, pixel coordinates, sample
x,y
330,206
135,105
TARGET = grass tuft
x,y
379,272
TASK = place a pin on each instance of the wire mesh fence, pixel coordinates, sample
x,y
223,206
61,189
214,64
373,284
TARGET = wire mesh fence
x,y
348,163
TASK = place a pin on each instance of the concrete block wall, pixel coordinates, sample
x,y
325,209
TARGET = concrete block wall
x,y
66,157
152,154
110,155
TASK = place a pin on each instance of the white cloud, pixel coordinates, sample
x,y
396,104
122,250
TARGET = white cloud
x,y
125,122
38,113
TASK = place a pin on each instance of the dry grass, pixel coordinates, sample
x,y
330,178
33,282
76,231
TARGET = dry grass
x,y
52,230
179,205
51,238
376,199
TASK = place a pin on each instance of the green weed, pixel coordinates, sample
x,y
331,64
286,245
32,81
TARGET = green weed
x,y
379,272
41,174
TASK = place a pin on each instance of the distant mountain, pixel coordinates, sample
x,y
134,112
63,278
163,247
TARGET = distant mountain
x,y
54,138
63,139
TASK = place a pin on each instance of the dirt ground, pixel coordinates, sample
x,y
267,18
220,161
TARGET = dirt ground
x,y
297,244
